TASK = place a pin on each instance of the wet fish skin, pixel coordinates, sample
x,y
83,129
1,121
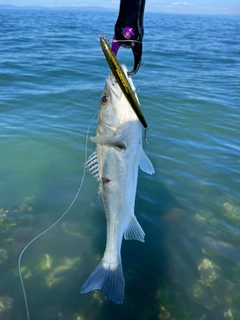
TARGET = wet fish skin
x,y
118,153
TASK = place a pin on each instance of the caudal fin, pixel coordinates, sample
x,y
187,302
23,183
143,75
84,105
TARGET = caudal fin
x,y
111,282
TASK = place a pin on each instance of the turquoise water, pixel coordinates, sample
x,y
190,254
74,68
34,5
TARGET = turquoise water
x,y
52,75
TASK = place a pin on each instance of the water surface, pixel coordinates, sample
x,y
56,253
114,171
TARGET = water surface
x,y
52,75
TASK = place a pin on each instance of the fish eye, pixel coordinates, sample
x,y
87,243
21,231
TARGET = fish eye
x,y
104,99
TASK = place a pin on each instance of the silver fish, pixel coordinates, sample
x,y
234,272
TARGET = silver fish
x,y
115,164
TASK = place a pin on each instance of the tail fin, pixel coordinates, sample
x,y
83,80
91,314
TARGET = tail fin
x,y
109,281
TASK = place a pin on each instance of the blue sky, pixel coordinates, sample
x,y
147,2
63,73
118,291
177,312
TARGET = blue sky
x,y
188,6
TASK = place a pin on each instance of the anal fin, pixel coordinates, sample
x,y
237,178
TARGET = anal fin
x,y
98,199
134,231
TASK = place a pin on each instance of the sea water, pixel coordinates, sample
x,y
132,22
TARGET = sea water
x,y
52,75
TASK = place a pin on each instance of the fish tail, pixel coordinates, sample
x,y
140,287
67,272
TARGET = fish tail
x,y
109,281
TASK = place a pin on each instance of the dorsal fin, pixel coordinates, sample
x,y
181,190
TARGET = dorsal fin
x,y
91,165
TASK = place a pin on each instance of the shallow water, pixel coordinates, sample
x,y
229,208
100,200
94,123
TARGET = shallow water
x,y
52,75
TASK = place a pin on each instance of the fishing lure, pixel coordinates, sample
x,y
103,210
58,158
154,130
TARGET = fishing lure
x,y
122,80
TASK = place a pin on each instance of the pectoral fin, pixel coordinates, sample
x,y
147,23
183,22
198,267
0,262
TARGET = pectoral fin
x,y
91,165
134,231
145,164
109,141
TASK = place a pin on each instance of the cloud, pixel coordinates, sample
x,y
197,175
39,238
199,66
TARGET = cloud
x,y
180,4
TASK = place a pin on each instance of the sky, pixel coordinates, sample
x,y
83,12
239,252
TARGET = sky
x,y
168,6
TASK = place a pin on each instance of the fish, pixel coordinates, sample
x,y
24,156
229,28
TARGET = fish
x,y
115,163
122,79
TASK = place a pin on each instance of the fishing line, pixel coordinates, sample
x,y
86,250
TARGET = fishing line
x,y
145,63
142,64
114,40
127,40
55,223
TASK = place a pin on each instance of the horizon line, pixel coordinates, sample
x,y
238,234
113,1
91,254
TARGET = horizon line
x,y
81,7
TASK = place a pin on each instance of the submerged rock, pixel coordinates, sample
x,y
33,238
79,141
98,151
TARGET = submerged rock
x,y
232,212
60,272
209,271
3,255
228,207
228,315
5,304
26,272
46,262
72,229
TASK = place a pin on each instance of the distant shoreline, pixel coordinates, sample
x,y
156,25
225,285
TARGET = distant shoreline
x,y
82,8
107,9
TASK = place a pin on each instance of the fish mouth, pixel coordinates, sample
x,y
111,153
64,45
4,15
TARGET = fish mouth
x,y
122,80
113,86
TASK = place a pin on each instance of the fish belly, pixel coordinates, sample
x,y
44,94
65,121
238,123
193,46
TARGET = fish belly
x,y
118,172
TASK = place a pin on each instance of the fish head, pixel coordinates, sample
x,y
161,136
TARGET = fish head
x,y
115,111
